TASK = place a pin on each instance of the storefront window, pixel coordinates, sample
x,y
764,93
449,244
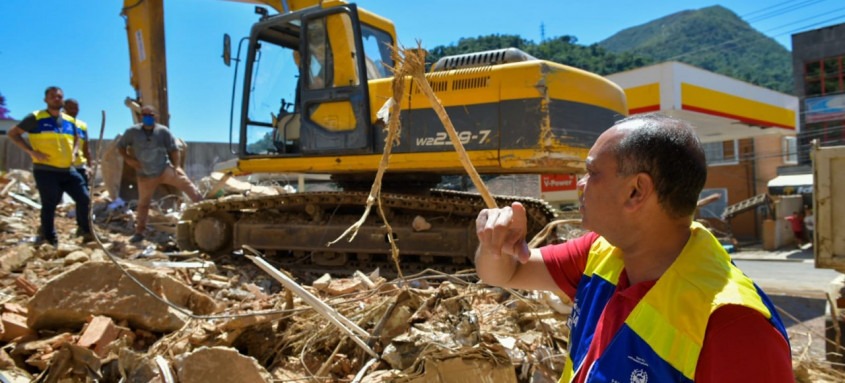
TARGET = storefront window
x,y
790,150
825,76
721,153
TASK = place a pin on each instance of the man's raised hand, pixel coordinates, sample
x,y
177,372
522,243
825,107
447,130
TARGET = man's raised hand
x,y
502,231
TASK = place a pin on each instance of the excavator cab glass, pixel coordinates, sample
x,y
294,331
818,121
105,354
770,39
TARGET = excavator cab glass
x,y
303,87
270,96
377,44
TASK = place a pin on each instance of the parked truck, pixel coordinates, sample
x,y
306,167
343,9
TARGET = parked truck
x,y
829,235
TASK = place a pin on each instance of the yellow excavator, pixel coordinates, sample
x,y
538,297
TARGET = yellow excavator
x,y
316,76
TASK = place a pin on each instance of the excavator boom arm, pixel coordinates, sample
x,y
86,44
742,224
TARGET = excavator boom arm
x,y
147,59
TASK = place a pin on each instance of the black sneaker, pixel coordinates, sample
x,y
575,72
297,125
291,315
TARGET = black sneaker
x,y
39,240
86,236
136,238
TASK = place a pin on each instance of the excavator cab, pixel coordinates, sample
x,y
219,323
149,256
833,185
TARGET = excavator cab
x,y
305,85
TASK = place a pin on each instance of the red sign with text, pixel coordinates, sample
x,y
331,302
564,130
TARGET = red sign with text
x,y
557,182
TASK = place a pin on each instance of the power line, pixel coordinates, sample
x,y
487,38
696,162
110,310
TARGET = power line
x,y
782,11
818,23
799,21
750,39
767,8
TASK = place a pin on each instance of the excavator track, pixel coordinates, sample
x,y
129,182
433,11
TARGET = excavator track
x,y
433,230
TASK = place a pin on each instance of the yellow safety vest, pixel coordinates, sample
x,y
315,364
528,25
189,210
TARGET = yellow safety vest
x,y
81,157
53,137
662,338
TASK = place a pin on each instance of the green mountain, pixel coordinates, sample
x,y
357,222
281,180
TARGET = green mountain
x,y
712,38
564,50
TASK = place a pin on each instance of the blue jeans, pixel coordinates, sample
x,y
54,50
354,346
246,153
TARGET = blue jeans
x,y
84,174
51,185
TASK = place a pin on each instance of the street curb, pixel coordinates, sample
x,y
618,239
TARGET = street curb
x,y
769,259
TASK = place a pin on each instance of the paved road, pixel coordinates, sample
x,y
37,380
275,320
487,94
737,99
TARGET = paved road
x,y
798,290
799,277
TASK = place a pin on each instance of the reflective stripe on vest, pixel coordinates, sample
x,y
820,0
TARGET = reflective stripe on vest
x,y
661,339
53,137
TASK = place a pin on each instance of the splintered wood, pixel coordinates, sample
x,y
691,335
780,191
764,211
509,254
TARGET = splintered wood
x,y
393,129
411,62
414,64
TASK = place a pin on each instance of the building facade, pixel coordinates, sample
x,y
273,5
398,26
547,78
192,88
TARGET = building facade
x,y
745,129
818,61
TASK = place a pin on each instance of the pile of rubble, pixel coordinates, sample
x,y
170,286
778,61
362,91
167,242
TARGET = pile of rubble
x,y
110,310
114,311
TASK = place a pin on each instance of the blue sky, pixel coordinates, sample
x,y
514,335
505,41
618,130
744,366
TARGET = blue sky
x,y
81,45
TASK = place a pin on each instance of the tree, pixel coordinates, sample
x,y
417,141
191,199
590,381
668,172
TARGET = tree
x,y
4,112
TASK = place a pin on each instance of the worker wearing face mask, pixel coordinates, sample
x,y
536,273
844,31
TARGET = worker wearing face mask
x,y
151,149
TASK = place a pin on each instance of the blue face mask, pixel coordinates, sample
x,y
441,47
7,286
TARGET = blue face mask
x,y
148,120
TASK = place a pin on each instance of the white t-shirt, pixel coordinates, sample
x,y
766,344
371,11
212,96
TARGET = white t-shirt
x,y
810,222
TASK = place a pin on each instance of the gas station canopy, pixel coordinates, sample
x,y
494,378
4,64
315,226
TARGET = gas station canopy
x,y
721,108
791,184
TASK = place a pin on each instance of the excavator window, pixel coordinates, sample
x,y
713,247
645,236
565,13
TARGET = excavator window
x,y
331,64
272,97
377,45
319,63
304,86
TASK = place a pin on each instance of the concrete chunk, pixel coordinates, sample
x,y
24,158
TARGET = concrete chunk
x,y
219,364
100,288
14,259
344,286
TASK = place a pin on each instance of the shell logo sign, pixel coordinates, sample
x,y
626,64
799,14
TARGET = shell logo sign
x,y
557,182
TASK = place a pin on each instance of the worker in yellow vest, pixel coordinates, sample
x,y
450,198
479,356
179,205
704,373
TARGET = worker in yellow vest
x,y
51,135
81,154
656,297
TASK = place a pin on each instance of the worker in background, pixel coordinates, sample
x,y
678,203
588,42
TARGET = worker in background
x,y
81,153
796,222
51,139
809,223
656,297
152,151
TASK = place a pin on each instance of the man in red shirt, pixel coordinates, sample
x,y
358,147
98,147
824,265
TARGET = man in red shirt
x,y
796,222
643,259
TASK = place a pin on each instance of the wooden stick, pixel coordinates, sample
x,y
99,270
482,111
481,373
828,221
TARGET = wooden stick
x,y
393,127
164,368
8,187
543,234
342,322
363,371
27,201
416,63
834,313
99,147
219,185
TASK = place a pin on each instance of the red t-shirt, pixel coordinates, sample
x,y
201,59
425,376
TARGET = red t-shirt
x,y
797,223
739,344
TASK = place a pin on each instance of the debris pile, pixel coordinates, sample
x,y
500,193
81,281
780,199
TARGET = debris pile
x,y
114,311
72,313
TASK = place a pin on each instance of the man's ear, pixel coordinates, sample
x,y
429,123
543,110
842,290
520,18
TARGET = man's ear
x,y
641,188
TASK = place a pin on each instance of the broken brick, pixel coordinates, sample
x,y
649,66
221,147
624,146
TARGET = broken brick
x,y
99,333
14,326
